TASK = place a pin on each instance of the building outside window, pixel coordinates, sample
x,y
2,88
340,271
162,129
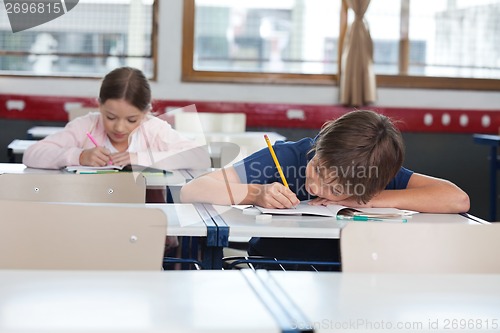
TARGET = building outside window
x,y
88,41
416,42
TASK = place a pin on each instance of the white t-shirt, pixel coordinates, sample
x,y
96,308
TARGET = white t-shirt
x,y
132,147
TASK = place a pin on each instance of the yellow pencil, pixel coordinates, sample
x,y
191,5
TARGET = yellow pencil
x,y
278,166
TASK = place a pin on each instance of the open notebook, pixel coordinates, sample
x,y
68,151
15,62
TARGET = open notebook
x,y
114,168
335,210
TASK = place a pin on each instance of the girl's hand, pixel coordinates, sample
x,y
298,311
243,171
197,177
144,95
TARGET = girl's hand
x,y
97,157
275,195
124,158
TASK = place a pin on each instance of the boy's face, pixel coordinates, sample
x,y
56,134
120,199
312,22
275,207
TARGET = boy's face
x,y
120,119
322,182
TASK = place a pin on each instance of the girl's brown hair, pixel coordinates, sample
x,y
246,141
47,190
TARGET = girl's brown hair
x,y
129,84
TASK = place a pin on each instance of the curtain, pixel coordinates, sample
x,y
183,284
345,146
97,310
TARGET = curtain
x,y
357,79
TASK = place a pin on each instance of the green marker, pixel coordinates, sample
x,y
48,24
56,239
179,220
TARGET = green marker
x,y
366,218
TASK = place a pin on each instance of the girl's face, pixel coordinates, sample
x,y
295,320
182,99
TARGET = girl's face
x,y
322,183
120,119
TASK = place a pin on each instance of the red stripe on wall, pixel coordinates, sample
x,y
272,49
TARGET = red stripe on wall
x,y
43,108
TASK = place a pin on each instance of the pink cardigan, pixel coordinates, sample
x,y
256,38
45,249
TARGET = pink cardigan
x,y
158,145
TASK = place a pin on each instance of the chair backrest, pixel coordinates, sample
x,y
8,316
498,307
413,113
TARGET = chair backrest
x,y
78,112
203,122
68,236
420,248
120,187
223,153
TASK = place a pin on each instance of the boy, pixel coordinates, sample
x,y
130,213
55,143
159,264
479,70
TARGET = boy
x,y
356,160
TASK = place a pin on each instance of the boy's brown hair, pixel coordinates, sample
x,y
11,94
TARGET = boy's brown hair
x,y
360,152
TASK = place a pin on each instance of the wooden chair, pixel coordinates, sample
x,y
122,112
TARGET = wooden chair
x,y
420,248
87,188
92,237
78,112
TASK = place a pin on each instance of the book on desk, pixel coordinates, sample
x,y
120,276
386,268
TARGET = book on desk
x,y
83,169
342,212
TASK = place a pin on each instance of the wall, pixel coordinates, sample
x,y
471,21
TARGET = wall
x,y
170,87
430,149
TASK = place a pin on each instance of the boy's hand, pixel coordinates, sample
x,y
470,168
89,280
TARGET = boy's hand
x,y
348,202
276,195
97,157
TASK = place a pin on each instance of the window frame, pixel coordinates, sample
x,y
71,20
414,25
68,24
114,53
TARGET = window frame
x,y
154,54
403,80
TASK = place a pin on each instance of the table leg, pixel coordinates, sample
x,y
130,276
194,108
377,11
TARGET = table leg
x,y
493,183
11,155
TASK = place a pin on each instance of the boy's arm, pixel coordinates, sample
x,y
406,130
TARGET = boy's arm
x,y
424,194
224,187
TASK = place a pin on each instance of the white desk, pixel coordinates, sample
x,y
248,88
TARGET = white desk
x,y
18,147
97,301
241,225
183,219
344,302
244,301
40,132
153,181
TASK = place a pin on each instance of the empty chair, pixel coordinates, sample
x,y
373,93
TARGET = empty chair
x,y
65,187
201,127
420,248
78,112
203,122
69,236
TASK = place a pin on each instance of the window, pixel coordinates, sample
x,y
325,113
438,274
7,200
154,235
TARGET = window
x,y
88,41
277,40
417,43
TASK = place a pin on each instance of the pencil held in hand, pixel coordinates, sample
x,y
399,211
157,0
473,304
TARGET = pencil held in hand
x,y
91,138
276,162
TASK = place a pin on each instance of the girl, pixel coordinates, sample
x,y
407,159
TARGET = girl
x,y
124,132
124,129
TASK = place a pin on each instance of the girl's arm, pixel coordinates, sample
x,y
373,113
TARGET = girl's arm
x,y
59,149
223,187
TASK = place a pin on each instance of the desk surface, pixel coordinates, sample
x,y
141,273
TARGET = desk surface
x,y
197,301
241,225
20,146
344,302
176,178
175,301
487,139
183,219
40,132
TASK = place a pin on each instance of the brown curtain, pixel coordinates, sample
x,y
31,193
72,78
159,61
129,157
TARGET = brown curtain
x,y
357,79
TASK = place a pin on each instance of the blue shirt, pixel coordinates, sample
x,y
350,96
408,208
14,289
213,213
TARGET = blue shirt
x,y
259,168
